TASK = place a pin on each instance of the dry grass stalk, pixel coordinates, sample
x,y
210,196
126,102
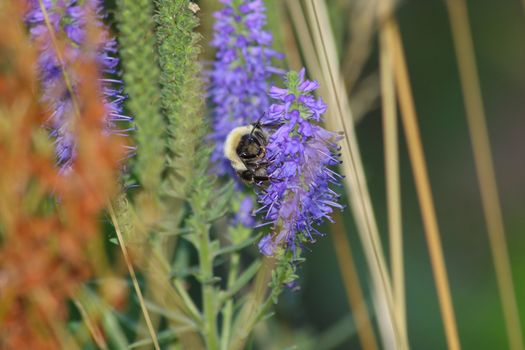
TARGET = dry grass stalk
x,y
479,135
390,132
424,193
298,19
353,289
131,270
340,118
361,27
365,97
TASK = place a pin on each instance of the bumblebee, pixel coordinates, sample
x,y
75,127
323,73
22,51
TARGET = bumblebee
x,y
245,148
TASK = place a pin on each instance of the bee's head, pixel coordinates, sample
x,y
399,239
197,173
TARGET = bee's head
x,y
251,146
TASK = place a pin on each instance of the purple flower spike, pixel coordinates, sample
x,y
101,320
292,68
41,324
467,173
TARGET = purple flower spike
x,y
300,153
238,81
69,17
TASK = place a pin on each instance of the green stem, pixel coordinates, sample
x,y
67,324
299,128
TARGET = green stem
x,y
208,291
228,308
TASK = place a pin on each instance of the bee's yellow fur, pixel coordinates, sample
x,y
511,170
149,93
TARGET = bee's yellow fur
x,y
230,146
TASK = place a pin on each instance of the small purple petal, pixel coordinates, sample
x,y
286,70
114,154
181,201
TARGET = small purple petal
x,y
266,246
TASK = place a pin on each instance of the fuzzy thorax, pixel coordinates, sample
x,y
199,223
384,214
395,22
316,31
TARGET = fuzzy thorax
x,y
231,143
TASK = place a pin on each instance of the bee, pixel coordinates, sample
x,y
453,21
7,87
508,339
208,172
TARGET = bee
x,y
245,148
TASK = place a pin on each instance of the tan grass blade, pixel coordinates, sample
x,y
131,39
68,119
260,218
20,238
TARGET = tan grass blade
x,y
419,169
131,270
476,119
340,118
354,292
393,192
365,97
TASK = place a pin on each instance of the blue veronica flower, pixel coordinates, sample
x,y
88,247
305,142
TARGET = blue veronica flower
x,y
238,81
69,17
300,153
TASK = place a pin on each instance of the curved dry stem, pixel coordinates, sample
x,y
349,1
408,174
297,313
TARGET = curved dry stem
x,y
131,270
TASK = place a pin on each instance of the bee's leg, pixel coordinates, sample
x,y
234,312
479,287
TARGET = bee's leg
x,y
275,179
260,178
262,163
247,176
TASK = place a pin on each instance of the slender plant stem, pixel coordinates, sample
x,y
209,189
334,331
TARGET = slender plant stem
x,y
95,332
131,270
208,291
479,136
419,169
256,304
354,292
352,164
390,132
228,307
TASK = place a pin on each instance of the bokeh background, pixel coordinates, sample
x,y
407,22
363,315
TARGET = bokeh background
x,y
320,307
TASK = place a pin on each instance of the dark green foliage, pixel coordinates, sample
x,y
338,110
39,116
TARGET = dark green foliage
x,y
141,77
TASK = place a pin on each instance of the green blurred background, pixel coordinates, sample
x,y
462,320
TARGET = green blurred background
x,y
498,28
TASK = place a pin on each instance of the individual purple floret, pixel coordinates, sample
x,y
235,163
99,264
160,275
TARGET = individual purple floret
x,y
300,153
68,18
244,215
239,78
